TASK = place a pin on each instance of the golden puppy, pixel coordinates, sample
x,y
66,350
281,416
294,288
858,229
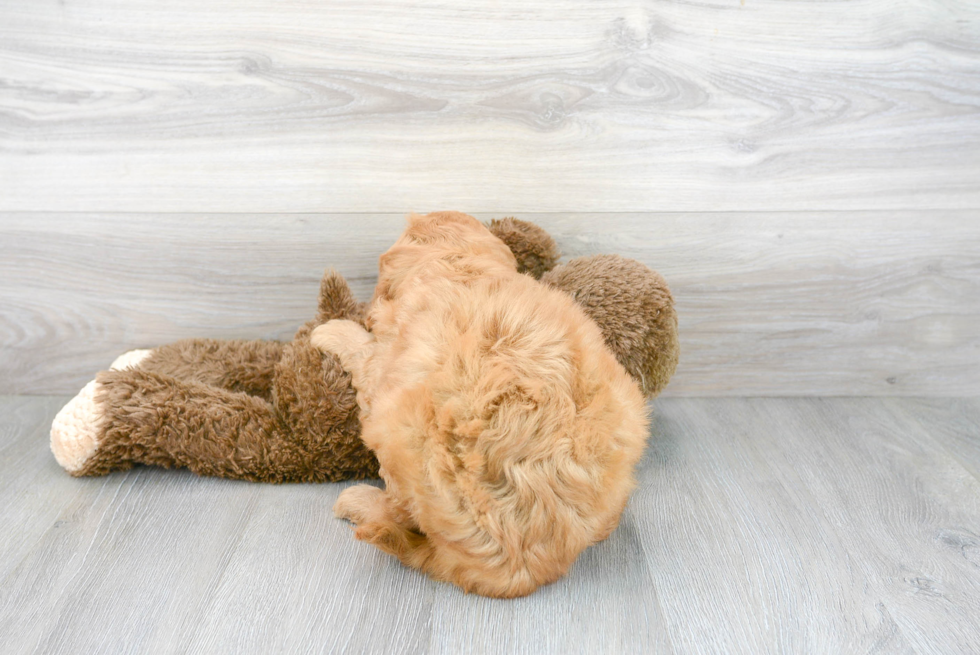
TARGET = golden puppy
x,y
506,431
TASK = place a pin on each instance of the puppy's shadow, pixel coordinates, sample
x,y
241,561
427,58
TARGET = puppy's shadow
x,y
662,448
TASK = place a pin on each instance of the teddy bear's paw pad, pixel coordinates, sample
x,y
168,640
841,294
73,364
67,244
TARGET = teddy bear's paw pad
x,y
76,428
358,503
131,359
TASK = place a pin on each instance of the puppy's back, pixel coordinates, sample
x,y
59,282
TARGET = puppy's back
x,y
527,431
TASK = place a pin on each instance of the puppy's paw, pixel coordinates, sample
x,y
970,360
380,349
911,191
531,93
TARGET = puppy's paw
x,y
340,337
358,504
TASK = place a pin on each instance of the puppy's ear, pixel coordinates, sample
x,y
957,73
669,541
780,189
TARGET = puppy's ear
x,y
393,266
455,227
420,229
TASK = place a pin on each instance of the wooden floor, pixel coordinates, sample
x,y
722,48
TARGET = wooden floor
x,y
759,526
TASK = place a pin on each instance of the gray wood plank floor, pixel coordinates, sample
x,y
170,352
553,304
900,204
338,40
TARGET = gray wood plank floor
x,y
759,526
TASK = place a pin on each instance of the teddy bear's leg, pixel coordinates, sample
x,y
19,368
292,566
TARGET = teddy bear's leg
x,y
242,365
246,366
317,407
75,429
139,417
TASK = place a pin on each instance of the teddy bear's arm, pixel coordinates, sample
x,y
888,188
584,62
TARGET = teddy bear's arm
x,y
243,365
337,300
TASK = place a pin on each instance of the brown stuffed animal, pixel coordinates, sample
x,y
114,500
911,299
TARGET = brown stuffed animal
x,y
285,412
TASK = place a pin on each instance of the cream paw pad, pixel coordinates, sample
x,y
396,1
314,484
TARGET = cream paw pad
x,y
76,428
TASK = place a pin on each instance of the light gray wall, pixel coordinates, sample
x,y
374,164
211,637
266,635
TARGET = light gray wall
x,y
806,175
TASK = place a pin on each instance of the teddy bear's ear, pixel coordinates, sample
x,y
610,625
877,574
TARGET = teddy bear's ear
x,y
535,250
336,298
633,307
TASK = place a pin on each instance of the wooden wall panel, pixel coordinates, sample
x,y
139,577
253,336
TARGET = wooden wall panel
x,y
878,303
521,105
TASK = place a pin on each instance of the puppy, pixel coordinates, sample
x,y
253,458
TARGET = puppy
x,y
506,431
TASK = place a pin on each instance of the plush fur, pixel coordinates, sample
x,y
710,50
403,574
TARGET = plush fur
x,y
634,309
536,252
506,430
254,410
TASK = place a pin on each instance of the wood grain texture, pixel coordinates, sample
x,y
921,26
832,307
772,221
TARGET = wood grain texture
x,y
759,525
865,303
955,426
834,523
27,486
513,105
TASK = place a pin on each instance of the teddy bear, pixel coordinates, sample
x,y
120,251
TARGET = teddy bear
x,y
269,411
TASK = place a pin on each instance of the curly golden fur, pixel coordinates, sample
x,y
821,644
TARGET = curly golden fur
x,y
506,430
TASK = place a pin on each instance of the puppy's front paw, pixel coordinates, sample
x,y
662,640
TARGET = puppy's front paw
x,y
339,337
358,503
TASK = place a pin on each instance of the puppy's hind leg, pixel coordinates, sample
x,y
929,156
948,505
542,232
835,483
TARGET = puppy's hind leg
x,y
381,522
